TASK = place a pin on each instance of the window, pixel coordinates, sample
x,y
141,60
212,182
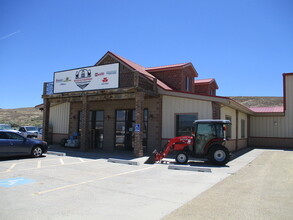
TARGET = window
x,y
242,128
187,84
184,124
14,136
3,135
229,130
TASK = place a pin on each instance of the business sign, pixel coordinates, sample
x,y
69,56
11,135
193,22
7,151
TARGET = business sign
x,y
88,78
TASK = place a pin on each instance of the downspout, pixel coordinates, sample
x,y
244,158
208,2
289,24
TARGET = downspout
x,y
237,129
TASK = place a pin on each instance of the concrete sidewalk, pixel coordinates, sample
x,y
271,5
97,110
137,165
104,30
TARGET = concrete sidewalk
x,y
263,189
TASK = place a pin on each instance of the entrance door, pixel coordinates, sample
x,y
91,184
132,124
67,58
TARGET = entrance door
x,y
125,120
96,128
125,125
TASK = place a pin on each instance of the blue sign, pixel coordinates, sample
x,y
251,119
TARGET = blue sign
x,y
137,127
15,182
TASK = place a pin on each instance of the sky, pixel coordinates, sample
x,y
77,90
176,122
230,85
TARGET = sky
x,y
246,45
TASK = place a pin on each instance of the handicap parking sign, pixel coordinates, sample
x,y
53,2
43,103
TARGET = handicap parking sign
x,y
137,127
15,182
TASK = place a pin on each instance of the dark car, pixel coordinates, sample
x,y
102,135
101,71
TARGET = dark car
x,y
14,144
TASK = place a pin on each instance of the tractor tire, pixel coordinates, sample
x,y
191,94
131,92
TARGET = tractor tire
x,y
181,157
219,155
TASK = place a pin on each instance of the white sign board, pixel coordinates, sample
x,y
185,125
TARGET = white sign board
x,y
88,78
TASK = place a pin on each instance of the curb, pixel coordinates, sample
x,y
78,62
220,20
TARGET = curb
x,y
112,160
189,168
56,153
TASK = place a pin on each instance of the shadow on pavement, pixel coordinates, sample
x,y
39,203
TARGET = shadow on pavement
x,y
94,154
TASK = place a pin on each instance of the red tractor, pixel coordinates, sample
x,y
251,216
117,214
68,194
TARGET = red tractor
x,y
207,142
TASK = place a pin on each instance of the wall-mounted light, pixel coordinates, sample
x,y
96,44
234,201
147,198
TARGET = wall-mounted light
x,y
151,116
275,123
108,117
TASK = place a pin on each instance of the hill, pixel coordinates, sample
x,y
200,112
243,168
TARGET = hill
x,y
21,117
258,101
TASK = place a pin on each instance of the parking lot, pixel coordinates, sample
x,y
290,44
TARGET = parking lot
x,y
88,186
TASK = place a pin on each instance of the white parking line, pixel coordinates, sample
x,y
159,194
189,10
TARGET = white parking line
x,y
33,168
61,161
39,164
90,181
11,167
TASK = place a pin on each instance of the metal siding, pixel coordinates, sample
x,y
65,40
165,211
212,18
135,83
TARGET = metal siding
x,y
232,113
174,105
59,118
289,105
276,126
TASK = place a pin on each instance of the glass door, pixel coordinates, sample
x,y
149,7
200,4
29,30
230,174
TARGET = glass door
x,y
98,128
125,124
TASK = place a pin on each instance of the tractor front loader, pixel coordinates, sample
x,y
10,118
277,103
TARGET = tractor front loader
x,y
206,142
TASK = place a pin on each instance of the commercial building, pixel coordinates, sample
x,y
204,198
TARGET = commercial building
x,y
119,105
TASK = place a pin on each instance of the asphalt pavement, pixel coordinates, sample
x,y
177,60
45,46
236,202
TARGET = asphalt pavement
x,y
87,185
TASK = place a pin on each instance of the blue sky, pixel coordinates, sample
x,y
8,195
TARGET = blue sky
x,y
245,45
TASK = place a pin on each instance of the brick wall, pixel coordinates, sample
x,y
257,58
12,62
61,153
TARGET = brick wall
x,y
127,76
176,79
109,107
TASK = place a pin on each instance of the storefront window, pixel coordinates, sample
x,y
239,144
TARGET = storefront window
x,y
228,130
242,128
184,124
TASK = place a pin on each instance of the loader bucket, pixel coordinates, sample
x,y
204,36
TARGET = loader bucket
x,y
151,159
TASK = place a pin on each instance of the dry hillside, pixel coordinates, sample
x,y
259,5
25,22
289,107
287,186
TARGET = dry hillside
x,y
21,117
258,101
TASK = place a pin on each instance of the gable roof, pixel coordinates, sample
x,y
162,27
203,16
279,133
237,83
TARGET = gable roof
x,y
172,67
206,81
136,67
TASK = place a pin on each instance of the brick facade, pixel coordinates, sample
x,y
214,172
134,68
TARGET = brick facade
x,y
176,79
109,107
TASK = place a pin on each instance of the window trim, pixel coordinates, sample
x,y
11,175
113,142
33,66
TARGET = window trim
x,y
229,127
242,124
187,84
175,120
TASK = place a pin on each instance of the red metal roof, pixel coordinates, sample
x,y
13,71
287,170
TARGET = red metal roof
x,y
206,81
172,67
203,81
166,67
140,69
274,109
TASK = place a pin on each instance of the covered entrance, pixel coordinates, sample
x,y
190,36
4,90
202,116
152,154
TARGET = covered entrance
x,y
125,129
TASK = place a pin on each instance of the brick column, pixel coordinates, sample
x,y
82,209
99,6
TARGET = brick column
x,y
138,136
84,126
46,115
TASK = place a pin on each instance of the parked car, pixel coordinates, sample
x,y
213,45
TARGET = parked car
x,y
5,127
14,144
29,131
